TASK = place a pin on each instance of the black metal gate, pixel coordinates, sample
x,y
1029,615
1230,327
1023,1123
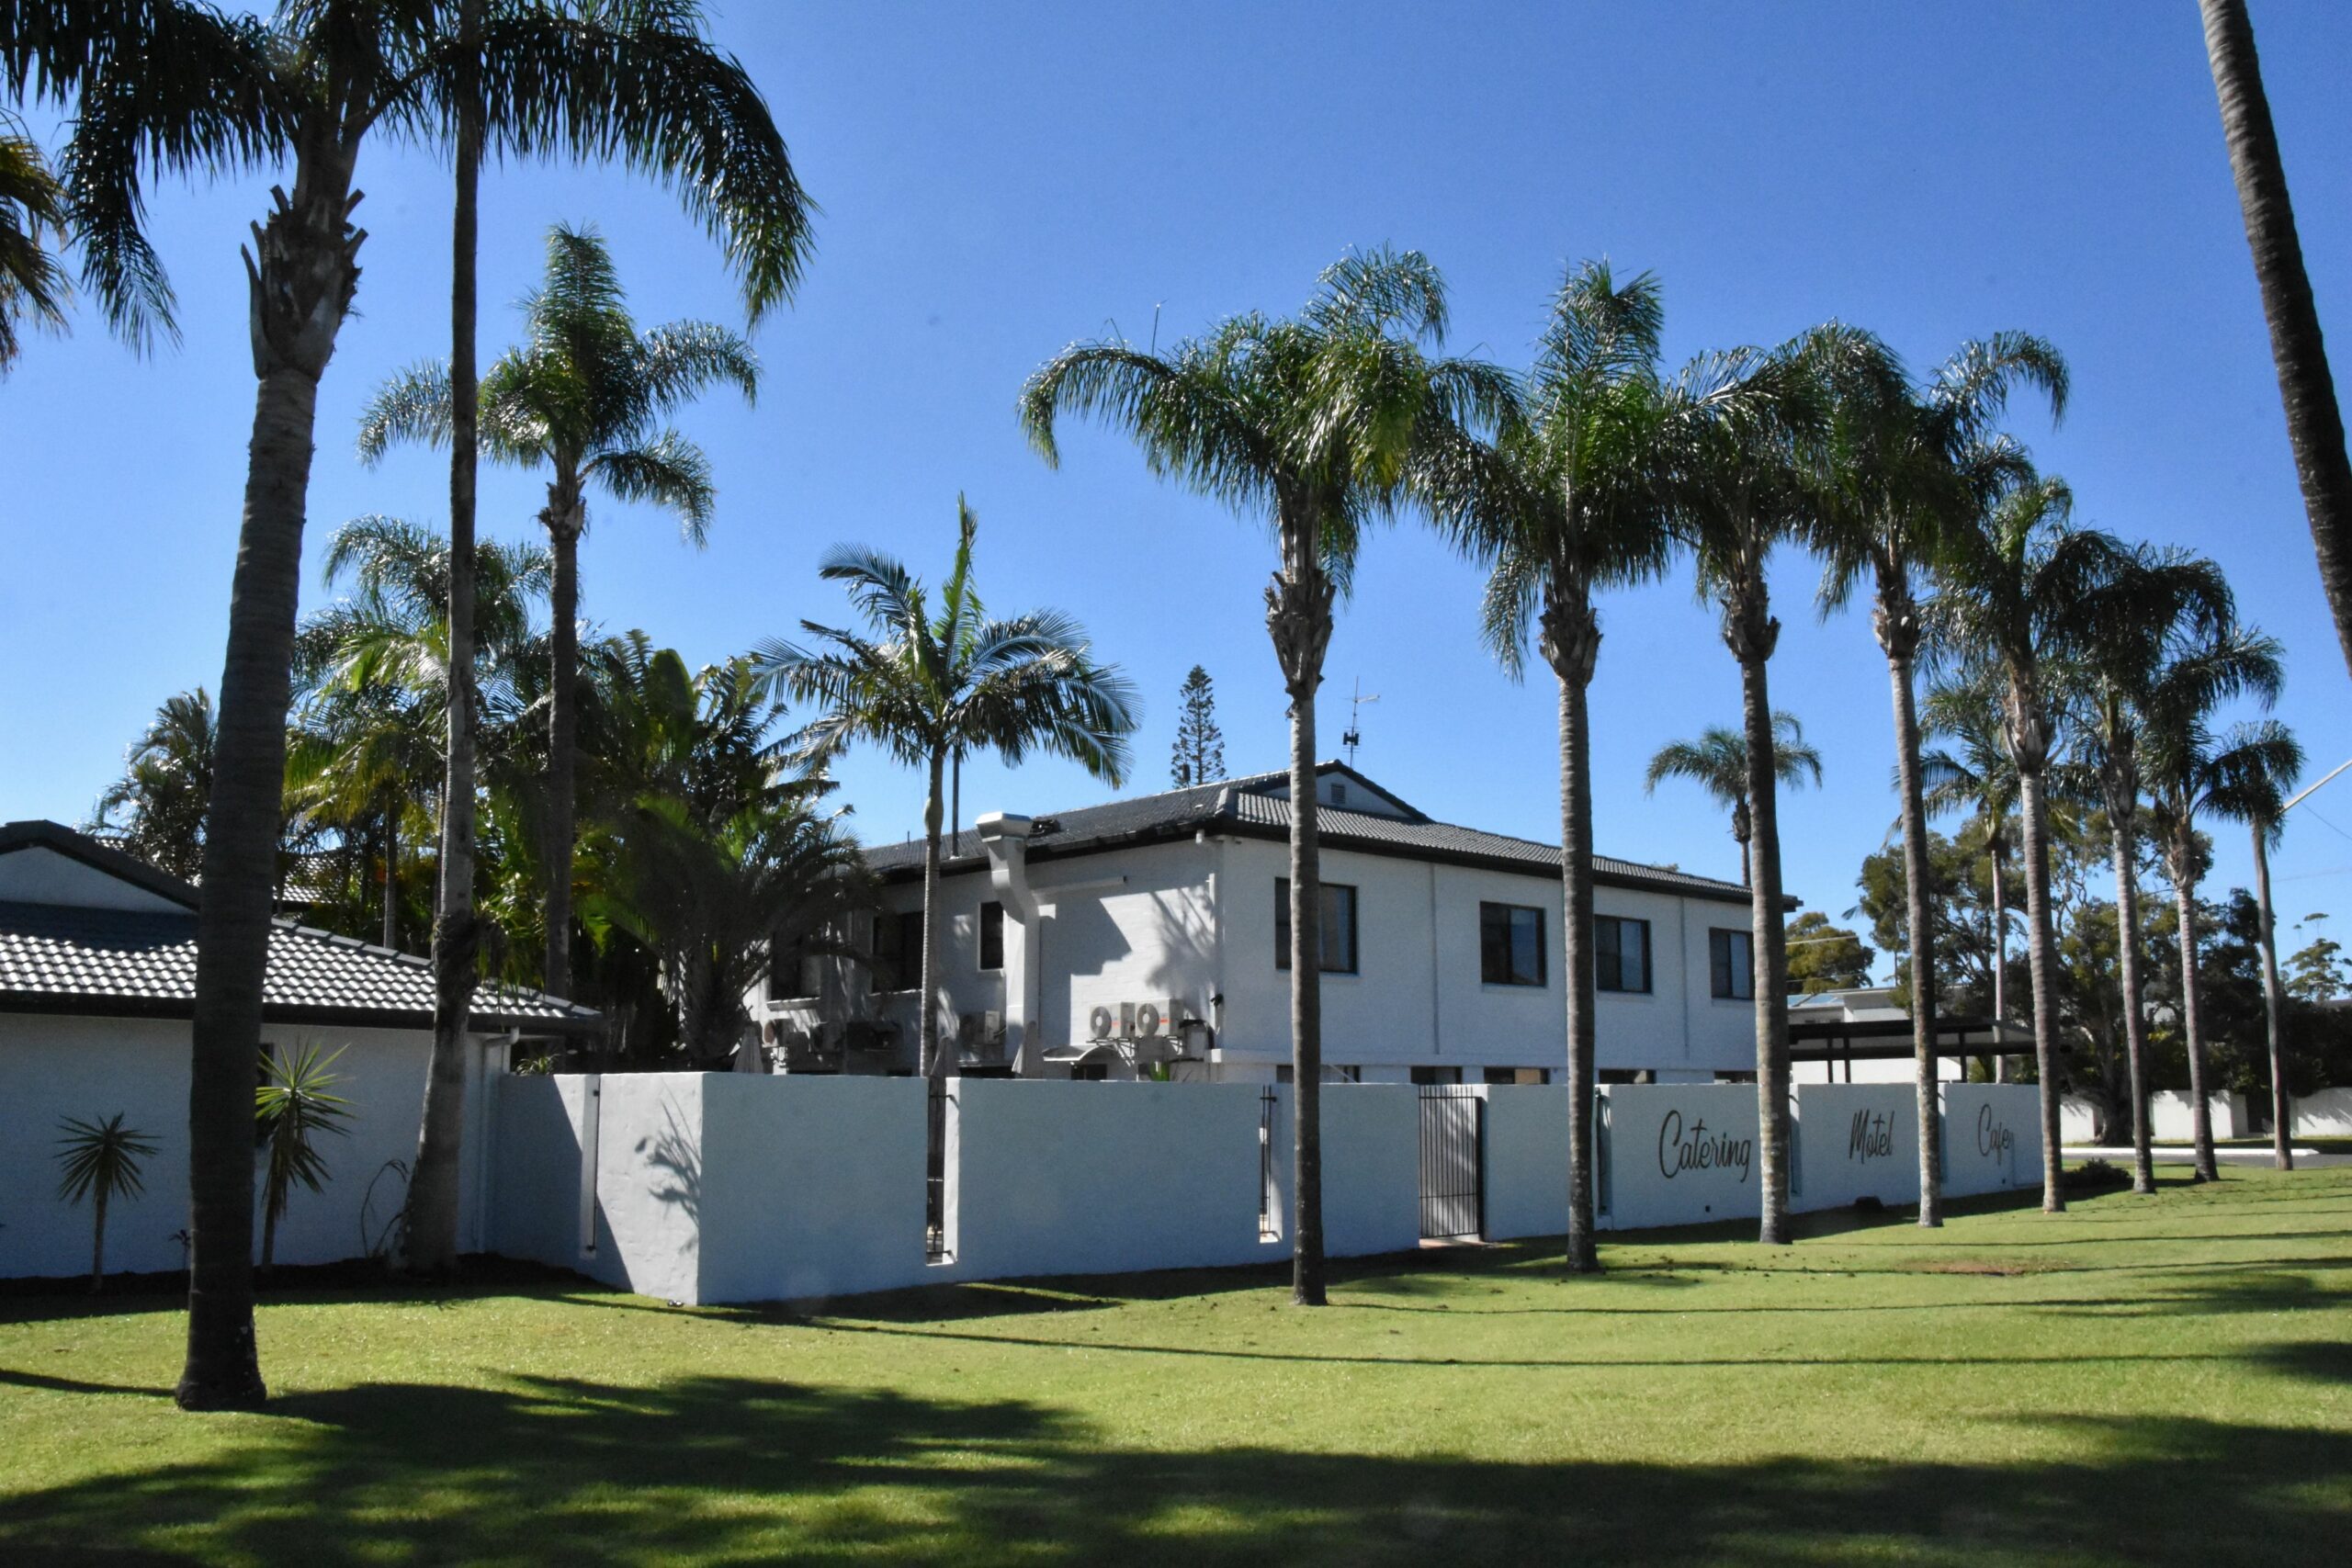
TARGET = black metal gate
x,y
1453,1166
1270,1225
934,1177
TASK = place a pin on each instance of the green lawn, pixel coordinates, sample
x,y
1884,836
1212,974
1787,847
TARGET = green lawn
x,y
2163,1380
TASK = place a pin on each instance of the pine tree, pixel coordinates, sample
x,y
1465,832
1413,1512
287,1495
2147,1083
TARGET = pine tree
x,y
1200,745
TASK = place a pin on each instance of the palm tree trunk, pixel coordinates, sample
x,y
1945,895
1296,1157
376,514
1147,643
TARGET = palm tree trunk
x,y
563,726
1299,618
2314,422
932,1059
1572,644
2041,961
302,273
2200,1110
1920,933
268,1230
1771,943
98,1240
457,936
2000,958
2135,1028
2282,1153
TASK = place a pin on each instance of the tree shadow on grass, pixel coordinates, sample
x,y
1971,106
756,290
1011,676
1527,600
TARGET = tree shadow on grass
x,y
736,1469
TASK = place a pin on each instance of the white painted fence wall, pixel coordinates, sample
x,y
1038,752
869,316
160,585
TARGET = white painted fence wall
x,y
730,1187
2327,1114
2171,1118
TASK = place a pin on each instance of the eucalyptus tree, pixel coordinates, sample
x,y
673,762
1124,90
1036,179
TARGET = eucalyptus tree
x,y
2306,387
2136,638
2256,797
173,86
927,681
1717,762
1976,774
2189,767
1566,501
2006,578
33,284
1314,422
1903,461
584,396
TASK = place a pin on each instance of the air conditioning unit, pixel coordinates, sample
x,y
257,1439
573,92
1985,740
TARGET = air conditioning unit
x,y
1153,1019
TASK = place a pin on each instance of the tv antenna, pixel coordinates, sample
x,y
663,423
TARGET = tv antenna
x,y
1354,736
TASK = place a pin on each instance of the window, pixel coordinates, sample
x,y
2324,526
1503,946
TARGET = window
x,y
792,971
1731,956
1519,1074
1437,1075
1621,951
1511,945
1338,926
991,936
1338,795
897,956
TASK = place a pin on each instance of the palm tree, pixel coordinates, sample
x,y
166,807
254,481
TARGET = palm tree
x,y
1564,502
1315,422
584,396
292,1107
1906,462
165,788
2314,422
2188,768
1717,762
927,683
33,286
1977,778
2256,797
2007,578
2129,636
100,1162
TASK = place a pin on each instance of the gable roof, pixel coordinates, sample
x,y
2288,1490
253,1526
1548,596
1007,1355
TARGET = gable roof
x,y
1248,807
76,958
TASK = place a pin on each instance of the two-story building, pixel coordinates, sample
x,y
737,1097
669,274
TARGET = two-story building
x,y
1151,936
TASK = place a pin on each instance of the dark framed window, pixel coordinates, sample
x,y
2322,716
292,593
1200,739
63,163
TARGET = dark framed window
x,y
991,936
1731,963
1519,1074
1437,1075
1511,945
1338,926
897,955
1620,953
792,971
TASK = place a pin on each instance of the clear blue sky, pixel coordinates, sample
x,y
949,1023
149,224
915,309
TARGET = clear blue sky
x,y
997,181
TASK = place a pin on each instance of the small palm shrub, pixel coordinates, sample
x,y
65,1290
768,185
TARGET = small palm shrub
x,y
100,1162
292,1108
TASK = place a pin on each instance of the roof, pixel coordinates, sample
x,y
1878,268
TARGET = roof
x,y
1245,807
76,958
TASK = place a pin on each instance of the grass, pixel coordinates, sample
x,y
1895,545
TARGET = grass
x,y
2162,1380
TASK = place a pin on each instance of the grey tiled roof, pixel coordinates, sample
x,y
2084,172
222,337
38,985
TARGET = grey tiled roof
x,y
70,958
1244,807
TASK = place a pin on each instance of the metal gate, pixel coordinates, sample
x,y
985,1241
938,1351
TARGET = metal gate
x,y
1453,1166
935,1174
1269,1225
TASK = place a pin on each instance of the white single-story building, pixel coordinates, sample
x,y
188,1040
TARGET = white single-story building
x,y
98,985
1151,936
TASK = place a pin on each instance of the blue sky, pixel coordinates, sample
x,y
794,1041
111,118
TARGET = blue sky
x,y
997,181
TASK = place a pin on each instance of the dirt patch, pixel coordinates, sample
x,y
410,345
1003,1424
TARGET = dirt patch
x,y
1992,1268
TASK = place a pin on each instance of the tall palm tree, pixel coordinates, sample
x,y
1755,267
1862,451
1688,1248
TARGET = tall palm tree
x,y
2314,422
165,786
1314,422
1717,762
2256,797
1750,473
584,396
1566,501
2188,767
929,681
2135,640
33,285
1903,463
1976,775
2008,577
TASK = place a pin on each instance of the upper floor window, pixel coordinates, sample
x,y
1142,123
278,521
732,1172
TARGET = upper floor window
x,y
1338,926
1620,953
896,962
991,936
1511,945
1731,958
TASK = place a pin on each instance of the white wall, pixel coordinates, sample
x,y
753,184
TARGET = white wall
x,y
1527,1160
89,1068
1680,1155
38,874
2171,1118
1855,1140
2327,1114
1372,1169
1992,1137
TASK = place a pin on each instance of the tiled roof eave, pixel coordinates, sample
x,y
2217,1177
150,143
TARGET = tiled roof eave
x,y
110,1004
